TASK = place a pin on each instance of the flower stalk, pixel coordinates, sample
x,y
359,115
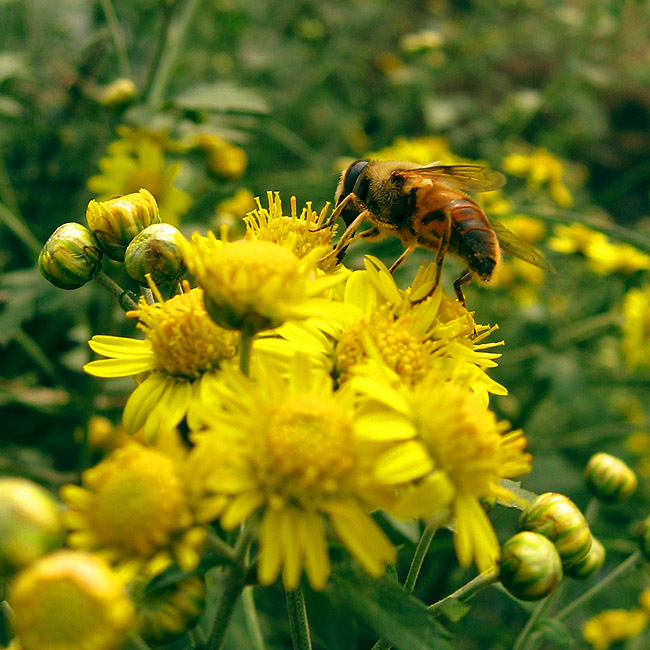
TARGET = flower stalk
x,y
298,620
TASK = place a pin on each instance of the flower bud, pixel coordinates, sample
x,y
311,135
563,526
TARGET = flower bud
x,y
70,600
30,524
559,519
166,613
590,563
155,251
609,478
70,257
118,93
117,221
530,567
225,160
644,538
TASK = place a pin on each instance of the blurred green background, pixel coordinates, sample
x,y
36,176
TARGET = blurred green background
x,y
302,88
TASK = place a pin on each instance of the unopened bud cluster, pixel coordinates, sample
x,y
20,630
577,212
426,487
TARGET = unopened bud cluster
x,y
126,229
555,540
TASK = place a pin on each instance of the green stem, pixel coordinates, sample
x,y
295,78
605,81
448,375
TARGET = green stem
x,y
416,564
234,583
34,351
468,590
252,622
524,635
419,555
7,194
124,298
621,569
19,228
174,37
298,620
245,349
118,39
591,511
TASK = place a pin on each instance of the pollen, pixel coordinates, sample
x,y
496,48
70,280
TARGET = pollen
x,y
404,351
309,441
133,501
185,340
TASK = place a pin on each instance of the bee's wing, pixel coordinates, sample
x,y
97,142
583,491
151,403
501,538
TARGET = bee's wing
x,y
462,177
517,247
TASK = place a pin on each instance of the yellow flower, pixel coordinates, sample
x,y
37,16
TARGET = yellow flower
x,y
133,509
458,450
182,346
409,334
423,150
300,233
255,285
636,327
542,170
604,256
70,600
289,450
614,625
137,160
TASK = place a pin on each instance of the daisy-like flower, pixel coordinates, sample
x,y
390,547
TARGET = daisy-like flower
x,y
137,160
410,333
70,600
301,233
603,255
289,450
134,509
255,285
636,327
457,446
541,169
182,346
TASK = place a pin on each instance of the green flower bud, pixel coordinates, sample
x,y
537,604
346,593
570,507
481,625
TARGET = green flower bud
x,y
644,538
118,93
530,567
165,613
155,250
559,519
70,257
117,221
590,563
609,478
30,524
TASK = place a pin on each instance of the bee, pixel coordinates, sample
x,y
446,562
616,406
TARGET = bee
x,y
428,207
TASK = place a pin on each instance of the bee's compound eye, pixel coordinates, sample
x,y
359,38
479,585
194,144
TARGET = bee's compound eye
x,y
351,177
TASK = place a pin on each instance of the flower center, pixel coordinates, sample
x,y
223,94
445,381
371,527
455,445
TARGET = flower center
x,y
185,340
139,499
404,352
309,442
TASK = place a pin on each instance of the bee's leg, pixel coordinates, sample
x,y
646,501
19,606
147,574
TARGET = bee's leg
x,y
350,203
463,279
348,236
443,247
401,258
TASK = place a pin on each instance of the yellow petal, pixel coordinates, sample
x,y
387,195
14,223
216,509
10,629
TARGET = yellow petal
x,y
270,555
402,463
142,401
314,544
240,508
119,347
292,549
119,367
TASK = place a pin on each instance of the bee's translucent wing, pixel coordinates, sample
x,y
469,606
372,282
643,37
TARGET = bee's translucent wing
x,y
515,246
462,177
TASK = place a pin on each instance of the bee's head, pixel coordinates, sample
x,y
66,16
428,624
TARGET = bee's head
x,y
349,179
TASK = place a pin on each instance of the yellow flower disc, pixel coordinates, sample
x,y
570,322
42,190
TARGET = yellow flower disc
x,y
309,442
70,601
185,340
134,500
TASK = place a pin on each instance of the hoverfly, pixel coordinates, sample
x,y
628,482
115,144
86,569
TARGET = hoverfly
x,y
428,207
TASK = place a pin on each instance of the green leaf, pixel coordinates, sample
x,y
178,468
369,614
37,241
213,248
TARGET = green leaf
x,y
383,606
223,96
